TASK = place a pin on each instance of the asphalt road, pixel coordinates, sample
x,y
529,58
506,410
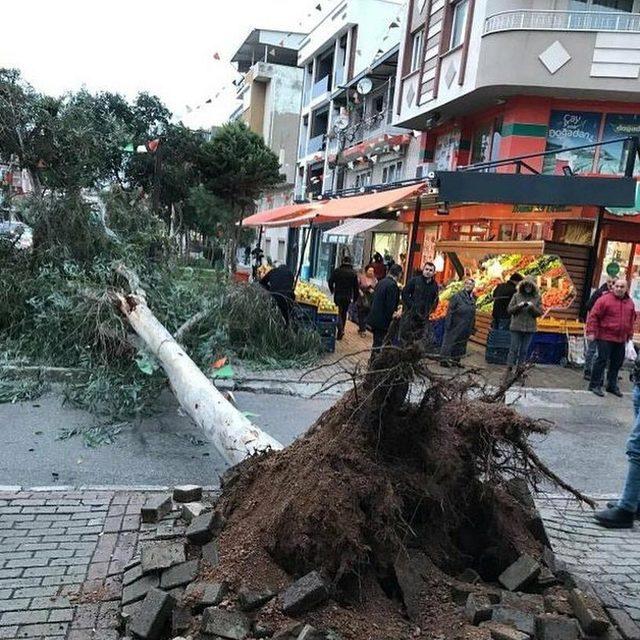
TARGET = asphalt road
x,y
586,445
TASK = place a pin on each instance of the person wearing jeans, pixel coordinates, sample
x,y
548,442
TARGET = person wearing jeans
x,y
610,324
524,307
620,514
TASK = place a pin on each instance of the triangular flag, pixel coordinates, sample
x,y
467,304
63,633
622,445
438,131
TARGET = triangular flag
x,y
152,145
141,148
129,148
272,52
318,7
394,25
216,56
209,101
189,109
42,164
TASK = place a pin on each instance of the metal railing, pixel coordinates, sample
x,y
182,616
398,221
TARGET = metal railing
x,y
316,144
557,20
321,87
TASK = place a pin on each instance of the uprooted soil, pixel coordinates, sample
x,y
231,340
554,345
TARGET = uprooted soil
x,y
405,465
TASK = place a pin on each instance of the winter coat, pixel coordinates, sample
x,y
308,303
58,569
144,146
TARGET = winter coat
x,y
612,318
420,296
279,280
502,295
343,283
386,298
379,270
524,318
459,324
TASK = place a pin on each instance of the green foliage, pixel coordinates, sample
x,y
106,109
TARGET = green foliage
x,y
12,391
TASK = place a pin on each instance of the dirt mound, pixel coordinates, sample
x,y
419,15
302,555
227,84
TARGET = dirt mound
x,y
404,464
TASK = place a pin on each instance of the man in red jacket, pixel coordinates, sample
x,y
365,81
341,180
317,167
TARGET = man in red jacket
x,y
610,323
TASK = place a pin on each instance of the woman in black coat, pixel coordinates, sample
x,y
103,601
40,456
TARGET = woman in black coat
x,y
459,324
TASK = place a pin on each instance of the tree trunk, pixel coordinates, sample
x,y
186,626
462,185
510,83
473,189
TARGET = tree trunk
x,y
231,432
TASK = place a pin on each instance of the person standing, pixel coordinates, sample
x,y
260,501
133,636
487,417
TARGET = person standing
x,y
367,283
377,263
502,295
524,307
459,324
279,282
384,305
610,324
621,513
420,299
343,284
590,353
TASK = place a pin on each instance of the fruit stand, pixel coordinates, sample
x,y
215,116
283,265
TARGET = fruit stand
x,y
558,271
315,307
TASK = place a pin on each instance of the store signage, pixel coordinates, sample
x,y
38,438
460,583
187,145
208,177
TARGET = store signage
x,y
612,269
613,157
569,129
540,208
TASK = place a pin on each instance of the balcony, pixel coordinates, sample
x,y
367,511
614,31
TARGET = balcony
x,y
316,144
320,88
551,20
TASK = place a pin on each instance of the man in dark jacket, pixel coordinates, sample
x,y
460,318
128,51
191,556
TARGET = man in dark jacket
x,y
279,282
502,295
386,298
419,299
610,323
590,354
343,284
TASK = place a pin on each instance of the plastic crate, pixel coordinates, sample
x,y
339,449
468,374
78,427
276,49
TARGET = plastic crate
x,y
327,317
496,355
499,339
305,312
548,348
329,344
326,329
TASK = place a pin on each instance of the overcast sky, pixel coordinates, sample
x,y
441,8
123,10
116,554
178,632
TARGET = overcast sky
x,y
159,46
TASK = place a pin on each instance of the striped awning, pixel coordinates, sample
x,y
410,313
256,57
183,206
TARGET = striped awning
x,y
347,230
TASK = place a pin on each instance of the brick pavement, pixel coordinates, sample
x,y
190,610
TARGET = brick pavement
x,y
607,558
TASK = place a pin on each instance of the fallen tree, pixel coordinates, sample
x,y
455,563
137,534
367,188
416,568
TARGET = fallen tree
x,y
231,432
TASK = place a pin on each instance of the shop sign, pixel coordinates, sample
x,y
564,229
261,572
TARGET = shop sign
x,y
446,151
571,129
613,157
541,208
612,269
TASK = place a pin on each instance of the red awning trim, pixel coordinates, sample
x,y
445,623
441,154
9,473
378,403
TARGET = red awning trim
x,y
381,144
280,213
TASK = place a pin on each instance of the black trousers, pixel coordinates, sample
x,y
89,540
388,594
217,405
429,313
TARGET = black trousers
x,y
285,304
378,337
343,308
613,354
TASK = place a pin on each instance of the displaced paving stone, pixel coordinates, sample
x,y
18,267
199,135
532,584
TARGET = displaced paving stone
x,y
531,602
156,556
304,594
168,531
150,620
187,493
524,570
226,624
500,631
129,610
132,574
192,510
524,621
623,621
460,593
156,508
555,627
410,569
179,575
478,608
469,575
555,603
590,614
311,633
201,529
201,595
210,554
251,600
139,589
289,632
181,619
547,578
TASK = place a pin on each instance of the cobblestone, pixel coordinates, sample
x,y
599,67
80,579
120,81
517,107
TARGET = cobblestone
x,y
607,558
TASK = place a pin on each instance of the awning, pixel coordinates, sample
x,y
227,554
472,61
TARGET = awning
x,y
279,214
347,230
354,206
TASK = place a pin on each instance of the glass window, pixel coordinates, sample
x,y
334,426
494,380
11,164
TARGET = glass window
x,y
416,51
613,157
481,145
459,23
624,6
616,253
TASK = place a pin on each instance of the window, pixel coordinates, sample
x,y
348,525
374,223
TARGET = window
x,y
392,173
363,179
378,104
281,250
624,6
416,50
459,23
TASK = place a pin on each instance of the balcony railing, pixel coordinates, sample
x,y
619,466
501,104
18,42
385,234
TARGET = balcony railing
x,y
316,144
321,87
549,20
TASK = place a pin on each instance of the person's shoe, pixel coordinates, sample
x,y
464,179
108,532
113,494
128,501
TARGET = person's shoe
x,y
597,390
615,391
613,504
587,375
615,518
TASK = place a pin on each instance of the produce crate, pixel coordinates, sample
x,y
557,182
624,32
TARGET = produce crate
x,y
306,313
326,329
498,343
326,316
548,348
329,344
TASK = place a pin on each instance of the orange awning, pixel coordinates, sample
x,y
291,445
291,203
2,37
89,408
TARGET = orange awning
x,y
359,205
277,215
